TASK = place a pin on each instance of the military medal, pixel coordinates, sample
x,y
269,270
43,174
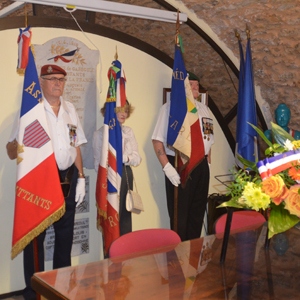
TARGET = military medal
x,y
72,134
207,128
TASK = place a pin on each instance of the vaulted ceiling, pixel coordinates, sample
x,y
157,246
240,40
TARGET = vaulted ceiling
x,y
209,49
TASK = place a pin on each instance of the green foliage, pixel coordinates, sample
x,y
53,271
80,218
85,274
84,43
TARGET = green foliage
x,y
248,164
280,135
261,134
241,178
287,179
280,219
231,203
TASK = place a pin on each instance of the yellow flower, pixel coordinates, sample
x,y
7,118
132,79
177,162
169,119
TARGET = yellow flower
x,y
254,198
296,144
292,202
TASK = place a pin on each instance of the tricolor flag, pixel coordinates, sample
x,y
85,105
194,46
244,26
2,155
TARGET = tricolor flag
x,y
246,136
110,168
23,48
184,132
39,198
273,165
65,57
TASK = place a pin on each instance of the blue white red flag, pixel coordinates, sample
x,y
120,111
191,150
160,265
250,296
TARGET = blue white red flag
x,y
110,168
23,49
246,137
184,132
39,198
65,57
273,165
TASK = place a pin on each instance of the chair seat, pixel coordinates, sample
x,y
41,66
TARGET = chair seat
x,y
240,219
142,240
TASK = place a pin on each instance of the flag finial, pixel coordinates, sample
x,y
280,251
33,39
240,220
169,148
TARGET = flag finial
x,y
178,40
116,55
248,31
237,35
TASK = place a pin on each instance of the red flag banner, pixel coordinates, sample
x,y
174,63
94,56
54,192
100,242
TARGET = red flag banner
x,y
39,199
110,167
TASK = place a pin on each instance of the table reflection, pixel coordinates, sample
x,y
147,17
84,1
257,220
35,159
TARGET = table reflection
x,y
189,270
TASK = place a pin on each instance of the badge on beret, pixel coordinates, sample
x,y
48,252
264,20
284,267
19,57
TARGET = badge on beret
x,y
49,70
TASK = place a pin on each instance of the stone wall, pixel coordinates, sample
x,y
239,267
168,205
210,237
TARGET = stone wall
x,y
274,40
274,26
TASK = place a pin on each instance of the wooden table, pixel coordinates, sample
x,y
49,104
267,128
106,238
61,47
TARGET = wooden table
x,y
189,270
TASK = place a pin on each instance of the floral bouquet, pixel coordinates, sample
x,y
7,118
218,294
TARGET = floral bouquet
x,y
272,184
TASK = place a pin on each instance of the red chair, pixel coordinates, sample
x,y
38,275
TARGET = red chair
x,y
237,221
142,240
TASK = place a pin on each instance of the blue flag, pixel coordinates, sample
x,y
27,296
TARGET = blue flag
x,y
241,87
184,132
110,168
246,136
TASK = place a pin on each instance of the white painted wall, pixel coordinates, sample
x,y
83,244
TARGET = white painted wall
x,y
146,78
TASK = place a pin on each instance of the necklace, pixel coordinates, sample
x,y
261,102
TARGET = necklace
x,y
52,106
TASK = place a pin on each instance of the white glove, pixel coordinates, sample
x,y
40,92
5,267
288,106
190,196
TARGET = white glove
x,y
125,159
172,174
80,191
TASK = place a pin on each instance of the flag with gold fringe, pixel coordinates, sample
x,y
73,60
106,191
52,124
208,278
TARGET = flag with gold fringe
x,y
184,132
39,199
111,164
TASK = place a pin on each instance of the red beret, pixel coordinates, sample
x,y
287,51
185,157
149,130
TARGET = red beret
x,y
52,69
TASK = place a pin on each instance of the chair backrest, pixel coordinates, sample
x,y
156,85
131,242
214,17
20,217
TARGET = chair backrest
x,y
141,240
240,219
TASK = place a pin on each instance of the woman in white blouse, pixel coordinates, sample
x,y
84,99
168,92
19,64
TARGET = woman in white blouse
x,y
131,157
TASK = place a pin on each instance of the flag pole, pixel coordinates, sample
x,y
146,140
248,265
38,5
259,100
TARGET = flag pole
x,y
175,219
116,54
36,261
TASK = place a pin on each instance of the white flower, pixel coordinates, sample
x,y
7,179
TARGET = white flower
x,y
288,145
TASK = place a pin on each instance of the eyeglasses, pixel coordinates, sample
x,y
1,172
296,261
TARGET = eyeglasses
x,y
55,79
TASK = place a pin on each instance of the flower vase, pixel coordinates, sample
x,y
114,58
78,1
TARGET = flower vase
x,y
280,243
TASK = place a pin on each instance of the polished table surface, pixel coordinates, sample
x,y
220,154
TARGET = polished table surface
x,y
189,270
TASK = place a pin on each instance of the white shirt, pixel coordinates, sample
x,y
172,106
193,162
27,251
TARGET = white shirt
x,y
161,129
131,154
59,131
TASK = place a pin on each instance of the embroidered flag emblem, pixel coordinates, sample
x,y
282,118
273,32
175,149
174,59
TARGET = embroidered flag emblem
x,y
35,135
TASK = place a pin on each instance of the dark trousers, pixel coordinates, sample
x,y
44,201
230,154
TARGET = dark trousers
x,y
63,229
124,215
192,201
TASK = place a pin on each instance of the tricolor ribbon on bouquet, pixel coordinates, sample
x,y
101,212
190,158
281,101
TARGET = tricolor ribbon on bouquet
x,y
273,165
